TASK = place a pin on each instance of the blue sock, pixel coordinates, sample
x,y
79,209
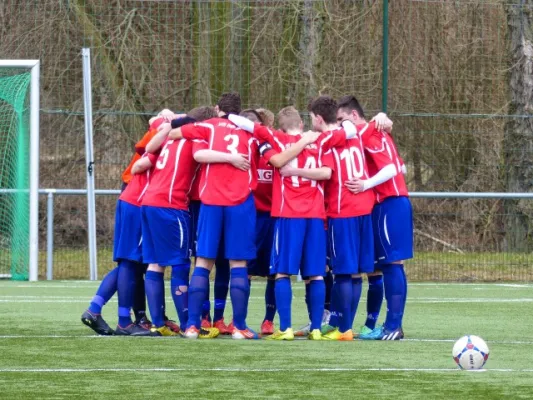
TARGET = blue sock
x,y
222,277
394,282
270,300
179,285
328,281
105,291
240,292
335,305
155,293
343,295
357,288
126,289
317,294
283,293
198,292
307,300
206,306
139,295
374,300
404,294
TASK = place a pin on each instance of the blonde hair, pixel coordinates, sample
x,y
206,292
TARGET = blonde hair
x,y
289,118
267,117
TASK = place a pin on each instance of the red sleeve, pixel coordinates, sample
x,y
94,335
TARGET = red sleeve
x,y
376,150
264,134
152,157
328,161
196,131
199,145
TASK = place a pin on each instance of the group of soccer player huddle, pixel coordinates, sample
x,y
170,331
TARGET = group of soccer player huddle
x,y
222,186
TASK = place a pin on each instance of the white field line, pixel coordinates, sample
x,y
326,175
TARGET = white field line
x,y
409,301
501,342
251,370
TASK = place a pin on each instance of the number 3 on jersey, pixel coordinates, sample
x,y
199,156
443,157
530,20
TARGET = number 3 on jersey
x,y
234,143
310,163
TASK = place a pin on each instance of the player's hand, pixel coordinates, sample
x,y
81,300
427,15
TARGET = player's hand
x,y
310,137
164,128
381,121
287,170
240,161
355,185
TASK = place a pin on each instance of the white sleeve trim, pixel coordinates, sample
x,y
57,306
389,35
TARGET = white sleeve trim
x,y
241,122
349,128
387,172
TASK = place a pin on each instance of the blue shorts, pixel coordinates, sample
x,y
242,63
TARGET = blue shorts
x,y
264,231
194,210
351,245
299,246
236,224
392,221
128,233
166,236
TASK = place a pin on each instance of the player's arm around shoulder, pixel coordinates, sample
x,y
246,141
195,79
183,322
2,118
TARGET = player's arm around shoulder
x,y
281,159
142,164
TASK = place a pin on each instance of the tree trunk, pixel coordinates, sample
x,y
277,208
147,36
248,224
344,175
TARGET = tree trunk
x,y
518,140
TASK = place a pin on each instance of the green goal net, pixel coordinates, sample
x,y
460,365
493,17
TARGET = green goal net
x,y
14,173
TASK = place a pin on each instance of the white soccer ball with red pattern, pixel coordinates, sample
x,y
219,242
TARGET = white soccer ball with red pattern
x,y
470,352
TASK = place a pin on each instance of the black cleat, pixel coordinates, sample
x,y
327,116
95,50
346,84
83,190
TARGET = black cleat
x,y
96,323
132,330
144,323
396,334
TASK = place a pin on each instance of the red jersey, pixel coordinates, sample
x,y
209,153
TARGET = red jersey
x,y
265,172
380,151
348,163
139,183
173,176
296,197
221,183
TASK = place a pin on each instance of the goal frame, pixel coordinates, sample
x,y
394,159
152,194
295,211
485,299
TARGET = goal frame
x,y
34,67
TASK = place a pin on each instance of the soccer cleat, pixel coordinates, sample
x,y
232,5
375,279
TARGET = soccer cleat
x,y
326,329
96,323
315,334
396,334
267,327
244,334
206,323
172,326
222,327
304,330
337,335
365,333
144,322
195,333
287,334
162,331
132,330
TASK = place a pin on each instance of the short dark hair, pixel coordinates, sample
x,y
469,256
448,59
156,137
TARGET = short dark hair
x,y
326,107
230,103
202,113
252,115
350,103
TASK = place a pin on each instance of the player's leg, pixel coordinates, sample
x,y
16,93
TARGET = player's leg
x,y
239,247
396,241
313,261
92,317
328,281
179,286
343,249
139,298
220,293
285,261
210,224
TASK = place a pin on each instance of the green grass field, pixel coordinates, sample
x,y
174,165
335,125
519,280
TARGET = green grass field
x,y
47,353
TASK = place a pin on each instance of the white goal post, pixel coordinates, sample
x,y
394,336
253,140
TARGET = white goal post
x,y
34,66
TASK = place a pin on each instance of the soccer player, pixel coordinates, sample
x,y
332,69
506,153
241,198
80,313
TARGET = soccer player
x,y
350,237
227,211
166,220
298,202
392,219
